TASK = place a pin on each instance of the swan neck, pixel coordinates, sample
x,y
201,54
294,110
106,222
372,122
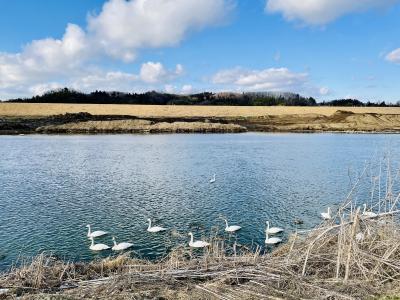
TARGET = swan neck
x,y
267,225
92,239
115,243
191,237
226,222
365,208
89,231
149,224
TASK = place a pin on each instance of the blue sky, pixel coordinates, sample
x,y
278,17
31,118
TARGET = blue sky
x,y
322,48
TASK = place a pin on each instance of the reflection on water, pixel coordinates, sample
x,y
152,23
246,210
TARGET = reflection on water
x,y
52,186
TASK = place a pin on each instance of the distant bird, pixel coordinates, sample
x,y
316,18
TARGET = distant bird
x,y
272,241
95,234
155,228
212,180
197,244
98,247
273,230
366,213
232,228
120,246
326,215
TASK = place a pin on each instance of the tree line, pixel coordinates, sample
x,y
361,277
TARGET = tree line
x,y
66,95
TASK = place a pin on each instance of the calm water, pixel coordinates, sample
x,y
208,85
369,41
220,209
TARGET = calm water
x,y
52,186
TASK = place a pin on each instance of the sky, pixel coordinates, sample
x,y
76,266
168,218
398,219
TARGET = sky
x,y
327,49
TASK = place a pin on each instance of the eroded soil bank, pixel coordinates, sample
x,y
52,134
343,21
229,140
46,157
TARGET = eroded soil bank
x,y
340,121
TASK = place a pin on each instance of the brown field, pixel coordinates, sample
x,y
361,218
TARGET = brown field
x,y
37,110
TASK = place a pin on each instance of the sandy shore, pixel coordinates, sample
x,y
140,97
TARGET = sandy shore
x,y
72,119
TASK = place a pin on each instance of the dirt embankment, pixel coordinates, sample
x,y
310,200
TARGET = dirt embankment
x,y
86,123
141,126
340,121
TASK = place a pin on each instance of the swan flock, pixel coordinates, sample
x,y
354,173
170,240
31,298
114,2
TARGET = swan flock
x,y
270,231
192,243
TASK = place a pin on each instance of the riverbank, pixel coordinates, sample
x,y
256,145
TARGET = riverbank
x,y
186,121
344,258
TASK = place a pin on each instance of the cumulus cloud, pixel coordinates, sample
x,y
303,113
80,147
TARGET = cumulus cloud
x,y
89,80
184,90
40,89
394,56
43,59
320,12
323,91
152,72
187,89
123,26
169,88
273,79
120,30
106,81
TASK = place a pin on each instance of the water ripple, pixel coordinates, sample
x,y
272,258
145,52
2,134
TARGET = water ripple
x,y
52,186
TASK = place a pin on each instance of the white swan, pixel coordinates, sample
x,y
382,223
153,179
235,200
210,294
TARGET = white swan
x,y
197,244
95,234
366,213
326,215
232,228
273,230
120,246
212,180
272,241
98,247
154,228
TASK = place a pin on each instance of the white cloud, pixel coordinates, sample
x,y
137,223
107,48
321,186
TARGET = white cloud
x,y
184,90
97,79
120,30
106,81
187,89
394,56
320,12
51,55
169,88
152,72
123,26
40,89
43,59
273,79
324,91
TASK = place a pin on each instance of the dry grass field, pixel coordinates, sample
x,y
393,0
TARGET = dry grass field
x,y
37,110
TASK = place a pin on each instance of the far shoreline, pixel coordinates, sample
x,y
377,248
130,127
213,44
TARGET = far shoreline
x,y
28,118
